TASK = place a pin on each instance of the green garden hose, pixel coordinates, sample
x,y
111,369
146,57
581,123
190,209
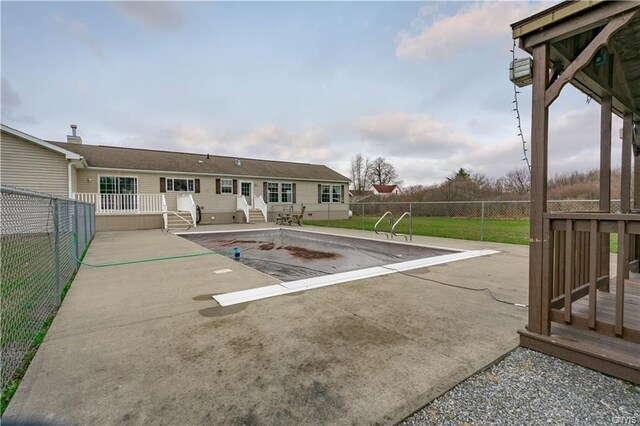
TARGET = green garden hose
x,y
129,262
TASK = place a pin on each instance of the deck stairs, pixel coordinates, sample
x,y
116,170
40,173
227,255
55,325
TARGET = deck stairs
x,y
179,221
255,215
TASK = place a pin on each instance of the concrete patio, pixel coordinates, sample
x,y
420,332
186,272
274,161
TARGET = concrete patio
x,y
146,343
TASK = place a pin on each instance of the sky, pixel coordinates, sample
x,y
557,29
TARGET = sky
x,y
423,84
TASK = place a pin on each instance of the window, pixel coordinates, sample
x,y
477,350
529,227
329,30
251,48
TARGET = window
x,y
326,194
118,193
272,192
337,194
287,193
226,186
180,185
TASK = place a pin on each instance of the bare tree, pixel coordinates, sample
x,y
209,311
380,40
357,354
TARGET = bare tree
x,y
382,172
516,180
360,176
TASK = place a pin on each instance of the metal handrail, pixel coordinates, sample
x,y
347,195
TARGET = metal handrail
x,y
393,228
375,227
177,215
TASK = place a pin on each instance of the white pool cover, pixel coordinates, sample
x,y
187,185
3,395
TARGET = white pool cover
x,y
243,296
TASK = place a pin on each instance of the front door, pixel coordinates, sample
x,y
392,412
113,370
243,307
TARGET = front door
x,y
246,190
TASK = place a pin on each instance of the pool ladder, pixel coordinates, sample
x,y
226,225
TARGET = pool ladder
x,y
393,226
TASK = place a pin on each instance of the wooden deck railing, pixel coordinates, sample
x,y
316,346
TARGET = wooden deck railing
x,y
574,268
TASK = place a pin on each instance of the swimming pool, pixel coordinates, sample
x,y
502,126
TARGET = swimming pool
x,y
305,260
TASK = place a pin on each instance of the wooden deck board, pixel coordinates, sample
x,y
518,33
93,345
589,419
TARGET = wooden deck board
x,y
611,355
606,305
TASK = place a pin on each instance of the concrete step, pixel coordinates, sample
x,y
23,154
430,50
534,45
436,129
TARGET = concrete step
x,y
256,216
176,221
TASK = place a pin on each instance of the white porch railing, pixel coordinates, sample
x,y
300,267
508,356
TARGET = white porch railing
x,y
258,203
186,204
241,204
165,214
123,203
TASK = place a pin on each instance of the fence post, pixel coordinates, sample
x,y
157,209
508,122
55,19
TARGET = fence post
x,y
328,212
92,218
56,248
87,221
482,223
76,229
363,216
410,221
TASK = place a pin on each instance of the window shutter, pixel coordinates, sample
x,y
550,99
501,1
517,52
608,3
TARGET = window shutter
x,y
342,193
293,193
196,185
265,195
217,186
235,186
319,194
163,184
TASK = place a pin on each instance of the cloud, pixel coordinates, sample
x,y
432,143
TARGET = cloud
x,y
11,104
155,15
471,27
409,134
425,151
268,142
10,98
80,32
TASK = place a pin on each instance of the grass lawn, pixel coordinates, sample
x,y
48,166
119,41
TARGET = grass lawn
x,y
495,230
30,298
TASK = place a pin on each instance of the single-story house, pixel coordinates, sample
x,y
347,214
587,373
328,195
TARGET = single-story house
x,y
385,190
143,188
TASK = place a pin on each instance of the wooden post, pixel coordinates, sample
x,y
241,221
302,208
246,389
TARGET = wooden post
x,y
636,179
603,245
539,150
625,168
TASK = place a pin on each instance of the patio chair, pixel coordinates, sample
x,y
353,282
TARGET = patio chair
x,y
283,219
297,218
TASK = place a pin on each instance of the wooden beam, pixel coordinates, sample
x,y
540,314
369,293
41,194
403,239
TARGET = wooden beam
x,y
583,352
587,54
603,246
618,70
625,166
568,272
539,153
593,277
591,86
636,182
621,276
547,276
579,24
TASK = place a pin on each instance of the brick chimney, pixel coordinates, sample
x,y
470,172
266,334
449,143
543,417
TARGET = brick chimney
x,y
73,137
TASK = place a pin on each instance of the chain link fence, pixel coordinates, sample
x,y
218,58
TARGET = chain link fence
x,y
498,221
41,238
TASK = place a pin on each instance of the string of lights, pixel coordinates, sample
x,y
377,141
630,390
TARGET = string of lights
x,y
516,109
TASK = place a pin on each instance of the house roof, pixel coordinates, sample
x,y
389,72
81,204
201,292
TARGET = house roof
x,y
384,189
112,157
69,155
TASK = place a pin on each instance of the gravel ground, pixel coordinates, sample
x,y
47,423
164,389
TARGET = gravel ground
x,y
529,388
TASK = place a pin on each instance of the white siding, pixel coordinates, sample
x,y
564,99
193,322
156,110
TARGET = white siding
x,y
26,165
